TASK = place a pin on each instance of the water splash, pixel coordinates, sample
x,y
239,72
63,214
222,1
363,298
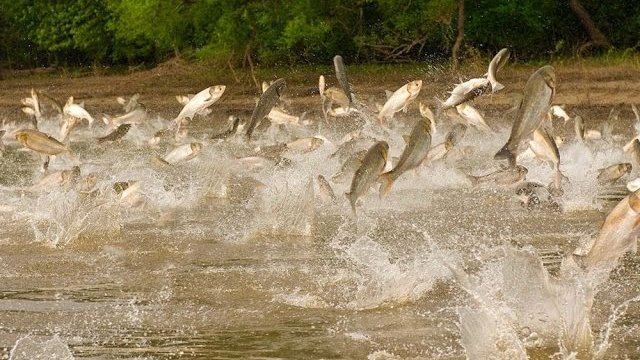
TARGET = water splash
x,y
35,348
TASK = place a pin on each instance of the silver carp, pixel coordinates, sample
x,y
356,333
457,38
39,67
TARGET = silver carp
x,y
538,94
368,173
498,61
267,101
412,156
341,74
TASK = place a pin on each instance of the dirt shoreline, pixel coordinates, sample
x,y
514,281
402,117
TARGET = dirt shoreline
x,y
580,85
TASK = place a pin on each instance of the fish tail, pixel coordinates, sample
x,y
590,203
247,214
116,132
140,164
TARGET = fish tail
x,y
352,201
387,179
157,160
505,154
475,181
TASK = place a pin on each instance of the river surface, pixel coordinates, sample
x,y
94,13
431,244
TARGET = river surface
x,y
219,258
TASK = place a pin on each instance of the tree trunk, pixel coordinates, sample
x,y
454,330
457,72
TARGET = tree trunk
x,y
456,46
597,37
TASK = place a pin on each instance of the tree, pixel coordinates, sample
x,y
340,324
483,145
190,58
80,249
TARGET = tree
x,y
459,38
597,37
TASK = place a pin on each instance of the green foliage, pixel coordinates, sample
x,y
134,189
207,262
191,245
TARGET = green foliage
x,y
287,32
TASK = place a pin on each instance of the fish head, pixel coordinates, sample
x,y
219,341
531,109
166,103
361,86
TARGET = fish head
x,y
218,90
502,57
384,150
279,86
414,87
69,102
549,75
22,136
316,142
196,147
522,171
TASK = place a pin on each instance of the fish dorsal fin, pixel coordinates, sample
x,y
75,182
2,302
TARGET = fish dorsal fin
x,y
182,99
406,138
388,94
81,104
69,101
265,86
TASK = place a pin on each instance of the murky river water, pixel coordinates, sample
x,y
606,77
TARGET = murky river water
x,y
217,258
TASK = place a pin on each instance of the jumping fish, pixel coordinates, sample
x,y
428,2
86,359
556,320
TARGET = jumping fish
x,y
400,100
617,235
266,102
197,104
76,111
426,113
116,134
200,101
466,91
506,176
533,196
341,74
498,61
63,178
473,117
306,144
412,156
538,94
235,121
325,191
183,153
135,116
40,142
546,149
280,117
368,173
612,173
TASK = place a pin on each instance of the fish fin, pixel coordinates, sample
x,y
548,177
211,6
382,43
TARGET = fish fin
x,y
388,94
406,138
473,179
157,160
505,154
387,182
496,86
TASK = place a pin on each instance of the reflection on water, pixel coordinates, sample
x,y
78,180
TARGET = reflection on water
x,y
217,257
